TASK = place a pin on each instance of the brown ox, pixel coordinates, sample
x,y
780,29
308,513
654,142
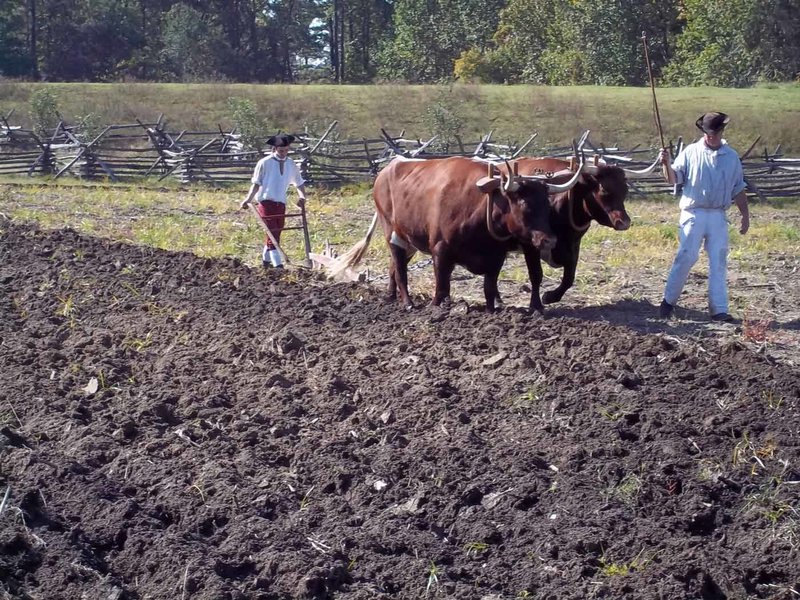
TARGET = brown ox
x,y
598,196
449,208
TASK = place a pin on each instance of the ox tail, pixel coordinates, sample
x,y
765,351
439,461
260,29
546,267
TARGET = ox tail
x,y
355,255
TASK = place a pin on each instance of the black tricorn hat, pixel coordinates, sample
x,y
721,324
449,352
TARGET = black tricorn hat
x,y
280,140
712,121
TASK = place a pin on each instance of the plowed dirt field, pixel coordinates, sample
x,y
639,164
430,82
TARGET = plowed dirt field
x,y
174,427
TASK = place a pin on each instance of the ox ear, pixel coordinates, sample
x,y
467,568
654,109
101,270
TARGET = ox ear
x,y
488,184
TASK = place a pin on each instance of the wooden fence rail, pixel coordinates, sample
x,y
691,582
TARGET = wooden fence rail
x,y
141,150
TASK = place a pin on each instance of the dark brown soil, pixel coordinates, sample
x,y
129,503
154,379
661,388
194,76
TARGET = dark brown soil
x,y
174,427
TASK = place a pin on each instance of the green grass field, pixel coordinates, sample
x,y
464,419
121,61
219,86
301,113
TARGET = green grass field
x,y
616,116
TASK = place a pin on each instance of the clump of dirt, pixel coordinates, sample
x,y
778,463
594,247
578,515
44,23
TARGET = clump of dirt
x,y
176,427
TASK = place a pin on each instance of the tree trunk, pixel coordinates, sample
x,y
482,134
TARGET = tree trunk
x,y
32,48
339,24
365,29
334,45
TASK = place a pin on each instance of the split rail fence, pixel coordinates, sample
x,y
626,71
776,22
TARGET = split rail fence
x,y
144,150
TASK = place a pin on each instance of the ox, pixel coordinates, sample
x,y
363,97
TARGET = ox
x,y
598,196
451,209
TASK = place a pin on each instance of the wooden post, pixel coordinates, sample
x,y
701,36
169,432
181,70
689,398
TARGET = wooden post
x,y
521,148
324,135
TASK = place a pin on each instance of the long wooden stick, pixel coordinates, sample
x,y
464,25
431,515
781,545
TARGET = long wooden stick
x,y
653,89
271,237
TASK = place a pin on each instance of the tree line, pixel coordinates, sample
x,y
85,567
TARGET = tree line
x,y
555,42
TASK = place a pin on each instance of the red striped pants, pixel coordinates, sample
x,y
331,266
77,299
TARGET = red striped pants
x,y
274,216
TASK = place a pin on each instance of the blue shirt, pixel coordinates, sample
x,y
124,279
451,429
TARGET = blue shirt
x,y
710,178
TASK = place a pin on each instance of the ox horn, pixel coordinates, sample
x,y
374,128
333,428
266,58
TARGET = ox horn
x,y
557,188
510,185
583,140
577,146
633,174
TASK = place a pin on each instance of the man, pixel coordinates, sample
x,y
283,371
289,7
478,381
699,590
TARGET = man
x,y
711,175
271,180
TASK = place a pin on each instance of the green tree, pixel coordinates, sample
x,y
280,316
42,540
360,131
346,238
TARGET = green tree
x,y
44,110
713,48
520,39
85,39
579,42
444,120
615,53
358,29
430,35
250,123
189,39
777,35
412,54
563,61
14,56
289,36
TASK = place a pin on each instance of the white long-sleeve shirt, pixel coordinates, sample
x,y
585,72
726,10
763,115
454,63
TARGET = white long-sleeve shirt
x,y
710,178
274,184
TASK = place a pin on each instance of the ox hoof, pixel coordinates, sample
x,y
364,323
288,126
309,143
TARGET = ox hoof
x,y
550,297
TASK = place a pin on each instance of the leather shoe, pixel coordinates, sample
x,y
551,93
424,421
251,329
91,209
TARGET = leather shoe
x,y
722,318
665,310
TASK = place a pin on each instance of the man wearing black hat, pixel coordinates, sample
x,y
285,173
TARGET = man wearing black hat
x,y
711,175
271,180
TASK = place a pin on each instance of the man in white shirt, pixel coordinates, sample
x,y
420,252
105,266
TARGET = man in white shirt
x,y
711,175
270,182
